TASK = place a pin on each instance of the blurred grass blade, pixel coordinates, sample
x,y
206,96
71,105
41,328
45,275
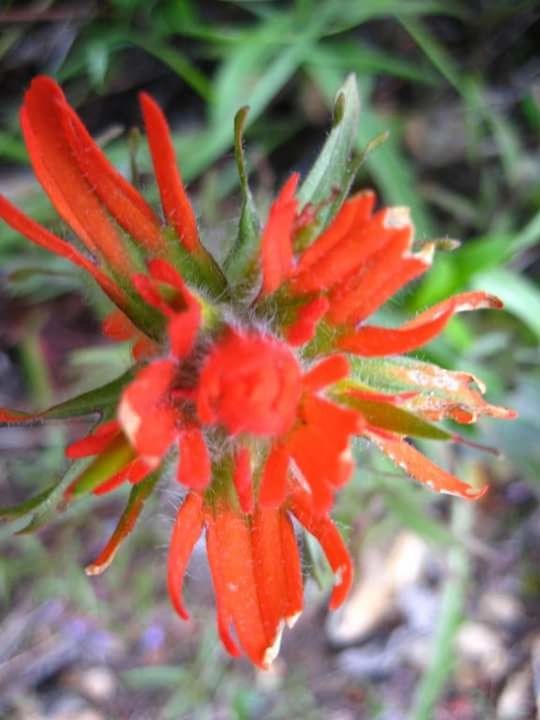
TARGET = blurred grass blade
x,y
437,673
520,296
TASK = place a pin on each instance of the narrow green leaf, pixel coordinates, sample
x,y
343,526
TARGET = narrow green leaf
x,y
395,419
104,466
240,257
331,167
93,401
48,505
27,506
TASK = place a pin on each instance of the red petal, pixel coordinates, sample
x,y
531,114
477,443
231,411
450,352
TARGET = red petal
x,y
326,372
377,342
354,213
123,201
390,270
138,471
144,348
411,461
242,478
475,300
195,467
163,271
147,289
351,254
186,531
276,241
113,482
45,239
117,326
304,327
292,567
232,567
275,475
271,566
371,341
183,329
305,447
42,118
125,525
145,414
176,205
224,616
94,443
324,530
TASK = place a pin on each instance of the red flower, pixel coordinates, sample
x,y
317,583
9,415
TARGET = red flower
x,y
255,384
255,567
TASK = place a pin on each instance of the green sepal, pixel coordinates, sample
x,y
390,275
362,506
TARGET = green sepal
x,y
395,419
331,169
117,455
27,506
98,400
198,269
241,259
45,504
137,498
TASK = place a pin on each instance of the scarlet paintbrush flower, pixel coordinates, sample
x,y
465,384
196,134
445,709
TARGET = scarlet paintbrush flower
x,y
255,377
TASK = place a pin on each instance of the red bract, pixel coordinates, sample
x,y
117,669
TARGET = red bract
x,y
252,378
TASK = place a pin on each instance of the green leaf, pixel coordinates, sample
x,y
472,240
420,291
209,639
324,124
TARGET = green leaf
x,y
117,455
50,498
242,254
27,506
93,401
331,167
395,419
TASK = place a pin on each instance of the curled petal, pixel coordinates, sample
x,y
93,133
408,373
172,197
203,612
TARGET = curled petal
x,y
125,525
411,461
186,531
434,393
377,342
324,530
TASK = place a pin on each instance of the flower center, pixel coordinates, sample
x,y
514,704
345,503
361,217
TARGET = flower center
x,y
251,383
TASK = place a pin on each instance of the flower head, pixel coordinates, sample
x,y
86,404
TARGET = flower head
x,y
253,377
